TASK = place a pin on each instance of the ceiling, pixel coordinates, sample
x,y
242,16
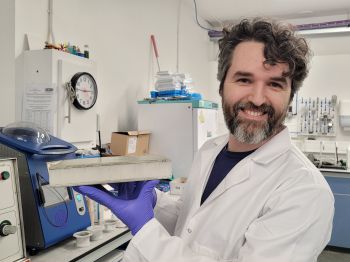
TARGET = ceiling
x,y
222,11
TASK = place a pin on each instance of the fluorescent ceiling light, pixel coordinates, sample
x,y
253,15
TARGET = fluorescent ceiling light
x,y
325,31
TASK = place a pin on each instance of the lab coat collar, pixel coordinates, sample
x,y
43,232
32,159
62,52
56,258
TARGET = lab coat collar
x,y
272,149
221,141
207,161
209,155
207,158
277,145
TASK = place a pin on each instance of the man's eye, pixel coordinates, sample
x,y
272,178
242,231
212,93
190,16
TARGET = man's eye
x,y
244,80
276,84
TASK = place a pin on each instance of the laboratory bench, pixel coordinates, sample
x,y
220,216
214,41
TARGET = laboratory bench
x,y
68,251
339,182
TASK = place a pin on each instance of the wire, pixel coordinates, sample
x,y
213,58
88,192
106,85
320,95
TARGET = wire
x,y
178,34
195,10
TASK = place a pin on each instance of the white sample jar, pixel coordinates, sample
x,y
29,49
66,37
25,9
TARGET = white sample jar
x,y
110,225
96,231
83,238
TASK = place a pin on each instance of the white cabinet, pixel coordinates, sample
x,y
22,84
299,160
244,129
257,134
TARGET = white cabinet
x,y
178,129
41,95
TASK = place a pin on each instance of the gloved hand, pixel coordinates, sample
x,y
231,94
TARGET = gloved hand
x,y
134,213
130,190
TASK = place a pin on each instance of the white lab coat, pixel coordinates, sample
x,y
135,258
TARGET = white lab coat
x,y
273,206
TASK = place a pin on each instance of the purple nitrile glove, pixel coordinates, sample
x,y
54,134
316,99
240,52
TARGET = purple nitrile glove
x,y
134,213
128,190
131,190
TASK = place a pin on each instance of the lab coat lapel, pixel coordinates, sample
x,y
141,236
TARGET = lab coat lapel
x,y
268,152
238,174
234,177
207,160
242,171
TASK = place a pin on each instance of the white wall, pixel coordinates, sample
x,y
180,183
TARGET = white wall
x,y
7,61
118,34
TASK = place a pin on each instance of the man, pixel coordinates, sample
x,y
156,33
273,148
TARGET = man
x,y
251,196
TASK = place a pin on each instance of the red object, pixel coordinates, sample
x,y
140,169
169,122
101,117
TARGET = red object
x,y
153,39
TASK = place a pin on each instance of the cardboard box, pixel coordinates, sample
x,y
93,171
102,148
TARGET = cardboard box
x,y
130,143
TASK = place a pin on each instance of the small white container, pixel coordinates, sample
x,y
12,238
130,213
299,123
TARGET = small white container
x,y
177,185
96,231
110,225
83,238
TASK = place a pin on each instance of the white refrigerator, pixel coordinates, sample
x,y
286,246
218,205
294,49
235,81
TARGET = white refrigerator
x,y
178,129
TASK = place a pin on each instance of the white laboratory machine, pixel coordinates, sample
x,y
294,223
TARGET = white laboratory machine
x,y
58,91
178,129
12,247
344,114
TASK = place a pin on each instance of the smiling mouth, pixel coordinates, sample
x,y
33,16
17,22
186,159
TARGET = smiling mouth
x,y
254,115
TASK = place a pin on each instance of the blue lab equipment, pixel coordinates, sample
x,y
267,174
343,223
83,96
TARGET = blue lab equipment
x,y
50,214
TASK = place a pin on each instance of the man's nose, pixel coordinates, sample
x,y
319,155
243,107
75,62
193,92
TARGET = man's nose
x,y
258,94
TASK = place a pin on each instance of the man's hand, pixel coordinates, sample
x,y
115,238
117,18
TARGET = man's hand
x,y
128,190
134,213
131,190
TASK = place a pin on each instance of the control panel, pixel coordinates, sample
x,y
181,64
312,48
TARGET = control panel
x,y
11,230
79,203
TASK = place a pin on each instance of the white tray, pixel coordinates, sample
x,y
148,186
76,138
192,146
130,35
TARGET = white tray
x,y
90,171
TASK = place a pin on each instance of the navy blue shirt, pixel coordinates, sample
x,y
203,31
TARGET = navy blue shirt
x,y
223,164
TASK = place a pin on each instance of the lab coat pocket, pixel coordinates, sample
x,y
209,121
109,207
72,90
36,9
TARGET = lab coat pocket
x,y
207,252
228,260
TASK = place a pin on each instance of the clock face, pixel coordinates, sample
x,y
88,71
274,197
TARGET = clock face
x,y
85,90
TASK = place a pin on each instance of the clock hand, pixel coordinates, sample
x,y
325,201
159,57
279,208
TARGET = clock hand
x,y
83,90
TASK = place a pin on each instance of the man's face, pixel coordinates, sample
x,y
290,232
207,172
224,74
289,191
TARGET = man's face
x,y
255,95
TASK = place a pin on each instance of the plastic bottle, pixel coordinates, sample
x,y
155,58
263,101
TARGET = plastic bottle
x,y
86,51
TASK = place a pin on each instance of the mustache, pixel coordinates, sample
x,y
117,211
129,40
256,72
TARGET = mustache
x,y
264,108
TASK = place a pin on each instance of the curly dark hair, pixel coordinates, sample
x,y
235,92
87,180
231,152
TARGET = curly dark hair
x,y
282,45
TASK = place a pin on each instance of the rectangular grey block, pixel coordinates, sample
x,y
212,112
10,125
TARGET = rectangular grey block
x,y
104,170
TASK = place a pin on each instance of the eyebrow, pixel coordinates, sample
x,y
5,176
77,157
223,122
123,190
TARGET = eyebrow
x,y
241,73
281,79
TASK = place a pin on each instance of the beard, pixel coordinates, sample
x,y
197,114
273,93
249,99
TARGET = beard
x,y
251,131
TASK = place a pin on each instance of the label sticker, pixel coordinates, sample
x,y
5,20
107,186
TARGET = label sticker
x,y
132,145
